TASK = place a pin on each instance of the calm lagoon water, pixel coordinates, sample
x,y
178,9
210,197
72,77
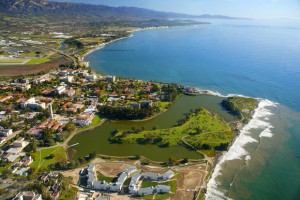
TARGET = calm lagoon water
x,y
253,58
97,139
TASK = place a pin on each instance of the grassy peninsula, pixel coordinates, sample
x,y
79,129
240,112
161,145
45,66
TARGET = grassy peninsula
x,y
202,129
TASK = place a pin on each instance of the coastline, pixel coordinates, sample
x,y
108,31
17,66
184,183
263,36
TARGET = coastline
x,y
102,45
211,182
236,150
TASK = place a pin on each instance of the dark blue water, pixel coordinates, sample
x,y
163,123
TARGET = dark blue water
x,y
253,58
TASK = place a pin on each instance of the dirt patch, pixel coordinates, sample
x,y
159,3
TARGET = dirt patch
x,y
191,178
74,174
154,169
17,70
119,197
111,169
181,194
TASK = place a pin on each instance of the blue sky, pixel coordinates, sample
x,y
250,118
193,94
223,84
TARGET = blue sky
x,y
237,8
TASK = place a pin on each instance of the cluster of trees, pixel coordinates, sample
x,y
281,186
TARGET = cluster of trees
x,y
42,188
125,113
74,43
171,92
229,105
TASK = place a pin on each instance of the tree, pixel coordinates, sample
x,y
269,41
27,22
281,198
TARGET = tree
x,y
51,156
6,173
185,160
70,127
172,161
31,147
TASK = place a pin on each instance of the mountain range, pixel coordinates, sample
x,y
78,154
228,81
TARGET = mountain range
x,y
71,10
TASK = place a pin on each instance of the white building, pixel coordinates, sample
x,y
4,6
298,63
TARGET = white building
x,y
90,77
91,177
133,185
110,78
84,119
91,180
67,79
60,89
168,175
15,149
6,132
152,176
32,103
28,195
101,185
114,187
145,191
161,189
130,170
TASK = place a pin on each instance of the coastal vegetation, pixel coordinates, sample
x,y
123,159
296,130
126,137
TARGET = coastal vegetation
x,y
201,128
72,42
242,107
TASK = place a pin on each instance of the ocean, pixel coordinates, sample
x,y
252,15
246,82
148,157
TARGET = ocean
x,y
257,58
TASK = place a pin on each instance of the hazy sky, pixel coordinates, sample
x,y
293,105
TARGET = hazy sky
x,y
238,8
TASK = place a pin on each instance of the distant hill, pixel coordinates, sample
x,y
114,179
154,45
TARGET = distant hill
x,y
208,16
87,11
44,7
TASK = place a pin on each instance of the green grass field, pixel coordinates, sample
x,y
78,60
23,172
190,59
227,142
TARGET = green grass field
x,y
13,61
35,61
42,162
101,177
147,183
203,128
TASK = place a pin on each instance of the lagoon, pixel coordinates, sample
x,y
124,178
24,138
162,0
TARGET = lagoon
x,y
97,139
258,58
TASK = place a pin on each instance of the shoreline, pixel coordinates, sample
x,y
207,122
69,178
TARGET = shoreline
x,y
238,143
219,159
102,45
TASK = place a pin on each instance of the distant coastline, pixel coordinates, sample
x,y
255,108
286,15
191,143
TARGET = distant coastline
x,y
219,158
102,45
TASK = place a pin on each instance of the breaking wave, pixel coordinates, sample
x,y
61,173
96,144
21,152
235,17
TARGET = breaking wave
x,y
259,121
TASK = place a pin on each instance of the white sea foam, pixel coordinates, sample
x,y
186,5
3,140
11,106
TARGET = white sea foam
x,y
267,132
248,157
237,151
237,95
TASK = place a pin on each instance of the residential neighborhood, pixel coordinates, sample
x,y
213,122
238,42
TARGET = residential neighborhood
x,y
41,111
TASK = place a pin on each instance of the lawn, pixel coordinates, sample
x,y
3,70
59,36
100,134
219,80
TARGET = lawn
x,y
35,61
41,157
203,129
101,177
147,183
96,120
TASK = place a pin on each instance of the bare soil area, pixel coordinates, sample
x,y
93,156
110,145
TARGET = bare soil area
x,y
191,179
17,70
